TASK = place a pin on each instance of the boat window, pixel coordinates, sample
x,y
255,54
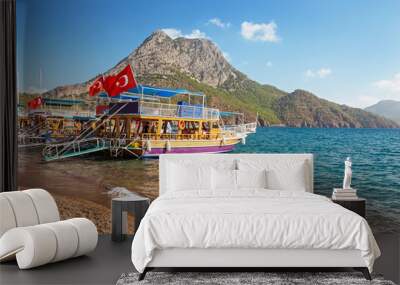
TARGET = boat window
x,y
146,127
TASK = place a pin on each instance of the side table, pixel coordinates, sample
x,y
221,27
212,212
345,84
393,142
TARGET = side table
x,y
135,204
356,205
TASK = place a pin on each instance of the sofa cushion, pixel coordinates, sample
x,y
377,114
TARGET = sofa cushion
x,y
46,207
23,208
26,208
7,220
67,239
40,244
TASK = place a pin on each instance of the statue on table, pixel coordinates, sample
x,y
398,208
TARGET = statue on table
x,y
347,174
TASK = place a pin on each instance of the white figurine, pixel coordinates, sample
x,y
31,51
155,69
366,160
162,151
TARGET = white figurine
x,y
347,174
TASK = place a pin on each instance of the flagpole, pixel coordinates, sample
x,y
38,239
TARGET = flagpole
x,y
133,74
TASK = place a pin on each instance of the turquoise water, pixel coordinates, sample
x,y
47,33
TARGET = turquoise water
x,y
376,163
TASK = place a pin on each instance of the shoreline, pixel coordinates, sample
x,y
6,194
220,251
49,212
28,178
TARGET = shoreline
x,y
73,207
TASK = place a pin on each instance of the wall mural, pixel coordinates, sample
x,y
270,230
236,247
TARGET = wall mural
x,y
100,98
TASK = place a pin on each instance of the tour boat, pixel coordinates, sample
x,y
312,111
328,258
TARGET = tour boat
x,y
53,120
148,121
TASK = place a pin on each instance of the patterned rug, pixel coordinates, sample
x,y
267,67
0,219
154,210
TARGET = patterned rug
x,y
273,278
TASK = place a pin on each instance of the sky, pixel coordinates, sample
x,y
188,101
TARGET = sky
x,y
344,51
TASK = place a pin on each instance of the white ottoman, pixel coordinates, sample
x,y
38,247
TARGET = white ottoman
x,y
31,232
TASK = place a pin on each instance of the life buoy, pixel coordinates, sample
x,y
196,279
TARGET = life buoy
x,y
181,125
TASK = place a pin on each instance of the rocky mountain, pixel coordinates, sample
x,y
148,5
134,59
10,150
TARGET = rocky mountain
x,y
199,65
387,108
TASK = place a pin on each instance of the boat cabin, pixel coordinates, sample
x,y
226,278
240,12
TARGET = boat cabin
x,y
149,113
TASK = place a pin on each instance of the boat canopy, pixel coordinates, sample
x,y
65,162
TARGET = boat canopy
x,y
162,92
153,91
122,96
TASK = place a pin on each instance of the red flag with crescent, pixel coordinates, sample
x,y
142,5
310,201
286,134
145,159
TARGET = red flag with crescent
x,y
123,81
97,86
109,82
36,102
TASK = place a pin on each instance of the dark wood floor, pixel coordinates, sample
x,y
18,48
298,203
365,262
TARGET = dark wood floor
x,y
103,266
110,260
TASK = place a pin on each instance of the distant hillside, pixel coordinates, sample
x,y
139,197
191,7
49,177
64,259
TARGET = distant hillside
x,y
387,108
304,109
199,65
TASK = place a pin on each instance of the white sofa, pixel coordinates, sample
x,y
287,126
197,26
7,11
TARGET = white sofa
x,y
31,230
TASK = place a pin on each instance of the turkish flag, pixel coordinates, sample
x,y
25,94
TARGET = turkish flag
x,y
39,101
109,82
36,102
97,86
123,81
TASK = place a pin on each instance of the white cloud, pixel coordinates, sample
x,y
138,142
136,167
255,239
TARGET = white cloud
x,y
391,85
268,64
219,23
320,73
175,33
265,32
196,34
324,72
310,73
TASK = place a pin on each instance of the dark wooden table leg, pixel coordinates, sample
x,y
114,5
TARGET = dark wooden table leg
x,y
116,221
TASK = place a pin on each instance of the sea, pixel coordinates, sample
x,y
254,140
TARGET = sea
x,y
375,154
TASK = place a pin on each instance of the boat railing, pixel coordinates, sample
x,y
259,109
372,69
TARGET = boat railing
x,y
242,128
203,136
63,113
26,140
251,127
55,151
22,113
235,128
178,111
